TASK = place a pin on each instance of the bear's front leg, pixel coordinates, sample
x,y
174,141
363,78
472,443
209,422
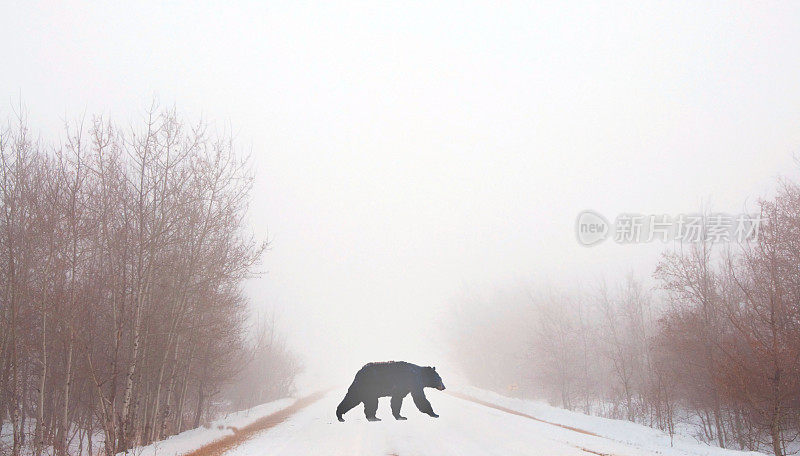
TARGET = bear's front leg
x,y
350,400
370,407
397,403
422,403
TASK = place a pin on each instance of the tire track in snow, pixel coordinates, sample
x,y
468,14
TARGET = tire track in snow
x,y
514,412
469,398
220,446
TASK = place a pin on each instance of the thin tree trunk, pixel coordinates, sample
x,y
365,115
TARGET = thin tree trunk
x,y
64,425
170,387
42,384
775,434
184,387
718,421
124,427
201,397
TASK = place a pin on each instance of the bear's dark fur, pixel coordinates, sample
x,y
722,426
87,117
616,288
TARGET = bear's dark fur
x,y
395,379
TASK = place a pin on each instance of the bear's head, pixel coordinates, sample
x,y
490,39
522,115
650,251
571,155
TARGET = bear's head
x,y
432,379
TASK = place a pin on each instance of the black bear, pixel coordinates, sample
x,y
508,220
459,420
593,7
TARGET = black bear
x,y
392,378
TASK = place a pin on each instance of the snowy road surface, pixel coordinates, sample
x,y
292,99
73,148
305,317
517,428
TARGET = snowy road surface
x,y
464,428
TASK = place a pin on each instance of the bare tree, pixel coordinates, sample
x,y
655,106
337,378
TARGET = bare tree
x,y
124,256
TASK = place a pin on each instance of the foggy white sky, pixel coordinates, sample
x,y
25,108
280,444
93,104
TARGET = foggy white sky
x,y
406,153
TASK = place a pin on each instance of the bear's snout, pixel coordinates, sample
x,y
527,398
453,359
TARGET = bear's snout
x,y
440,387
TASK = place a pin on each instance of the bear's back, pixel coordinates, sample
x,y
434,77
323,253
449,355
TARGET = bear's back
x,y
388,367
387,377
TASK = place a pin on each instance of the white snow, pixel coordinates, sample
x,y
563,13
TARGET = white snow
x,y
621,431
195,438
464,428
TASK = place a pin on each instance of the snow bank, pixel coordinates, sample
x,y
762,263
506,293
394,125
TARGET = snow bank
x,y
195,438
632,434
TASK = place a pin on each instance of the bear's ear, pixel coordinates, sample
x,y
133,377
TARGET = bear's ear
x,y
434,367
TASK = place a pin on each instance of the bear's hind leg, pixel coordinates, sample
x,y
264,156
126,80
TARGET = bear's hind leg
x,y
397,403
370,407
350,400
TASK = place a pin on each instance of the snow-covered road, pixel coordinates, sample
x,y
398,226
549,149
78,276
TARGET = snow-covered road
x,y
464,428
